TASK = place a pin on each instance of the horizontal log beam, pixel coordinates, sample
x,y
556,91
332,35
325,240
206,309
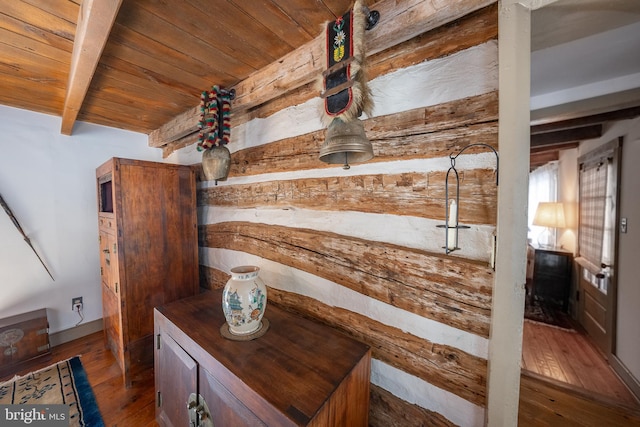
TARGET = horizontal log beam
x,y
472,30
448,290
421,133
443,366
398,23
420,195
389,410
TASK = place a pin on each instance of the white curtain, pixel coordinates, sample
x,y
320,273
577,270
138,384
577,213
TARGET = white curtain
x,y
543,187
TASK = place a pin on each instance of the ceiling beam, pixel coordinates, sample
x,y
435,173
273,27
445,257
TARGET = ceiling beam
x,y
95,19
623,114
555,147
538,159
566,135
399,22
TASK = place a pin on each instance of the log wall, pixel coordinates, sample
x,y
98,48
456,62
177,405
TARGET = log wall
x,y
359,249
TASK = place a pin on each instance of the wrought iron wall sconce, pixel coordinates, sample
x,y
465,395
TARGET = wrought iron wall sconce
x,y
373,16
452,225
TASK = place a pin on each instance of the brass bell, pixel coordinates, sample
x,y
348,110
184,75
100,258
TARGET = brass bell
x,y
216,162
346,142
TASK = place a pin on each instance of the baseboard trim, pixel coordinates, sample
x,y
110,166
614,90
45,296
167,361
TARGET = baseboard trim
x,y
76,332
627,378
580,392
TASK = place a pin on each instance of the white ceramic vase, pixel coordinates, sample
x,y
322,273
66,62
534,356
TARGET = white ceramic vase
x,y
244,300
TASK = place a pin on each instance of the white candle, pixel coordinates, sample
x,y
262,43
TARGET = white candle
x,y
451,231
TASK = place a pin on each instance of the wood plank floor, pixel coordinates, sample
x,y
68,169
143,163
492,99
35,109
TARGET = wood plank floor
x,y
569,357
545,403
118,405
541,403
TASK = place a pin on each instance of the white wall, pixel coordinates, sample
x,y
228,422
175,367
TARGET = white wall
x,y
48,180
628,337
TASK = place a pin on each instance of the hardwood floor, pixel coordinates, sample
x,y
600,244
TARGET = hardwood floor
x,y
118,405
542,403
545,403
567,382
569,357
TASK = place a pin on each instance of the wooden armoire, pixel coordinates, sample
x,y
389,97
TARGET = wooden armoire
x,y
148,237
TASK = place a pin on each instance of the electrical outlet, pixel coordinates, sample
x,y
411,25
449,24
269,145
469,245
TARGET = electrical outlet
x,y
76,304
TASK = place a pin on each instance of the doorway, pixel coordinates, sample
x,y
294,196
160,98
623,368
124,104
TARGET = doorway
x,y
599,174
581,356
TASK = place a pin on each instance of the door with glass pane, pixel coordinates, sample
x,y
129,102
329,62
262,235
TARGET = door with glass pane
x,y
598,186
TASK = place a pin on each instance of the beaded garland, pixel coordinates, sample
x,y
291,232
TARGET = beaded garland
x,y
215,121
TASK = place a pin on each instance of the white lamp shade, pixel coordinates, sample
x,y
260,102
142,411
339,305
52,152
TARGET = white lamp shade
x,y
549,214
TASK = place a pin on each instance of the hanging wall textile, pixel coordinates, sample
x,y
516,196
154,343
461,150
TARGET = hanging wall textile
x,y
345,91
215,118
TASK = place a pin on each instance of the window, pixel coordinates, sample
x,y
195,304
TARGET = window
x,y
543,187
596,237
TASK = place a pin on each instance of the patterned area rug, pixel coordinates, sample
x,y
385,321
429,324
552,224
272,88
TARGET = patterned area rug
x,y
540,311
64,383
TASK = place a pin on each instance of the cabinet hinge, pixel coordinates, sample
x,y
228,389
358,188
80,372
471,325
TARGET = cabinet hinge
x,y
42,331
100,239
44,347
101,272
158,342
159,399
116,287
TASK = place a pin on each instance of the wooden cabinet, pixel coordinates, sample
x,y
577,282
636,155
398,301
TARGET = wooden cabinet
x,y
148,251
300,373
24,339
552,276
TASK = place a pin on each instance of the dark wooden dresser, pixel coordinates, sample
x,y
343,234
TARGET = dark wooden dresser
x,y
552,276
299,373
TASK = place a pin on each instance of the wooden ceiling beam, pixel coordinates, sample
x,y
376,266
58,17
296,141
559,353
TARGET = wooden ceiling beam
x,y
555,147
398,23
623,114
95,19
548,139
567,135
539,159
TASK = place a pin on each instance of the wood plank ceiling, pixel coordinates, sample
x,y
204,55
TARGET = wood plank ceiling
x,y
153,58
158,57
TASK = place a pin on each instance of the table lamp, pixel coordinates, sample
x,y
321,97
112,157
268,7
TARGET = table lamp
x,y
548,215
